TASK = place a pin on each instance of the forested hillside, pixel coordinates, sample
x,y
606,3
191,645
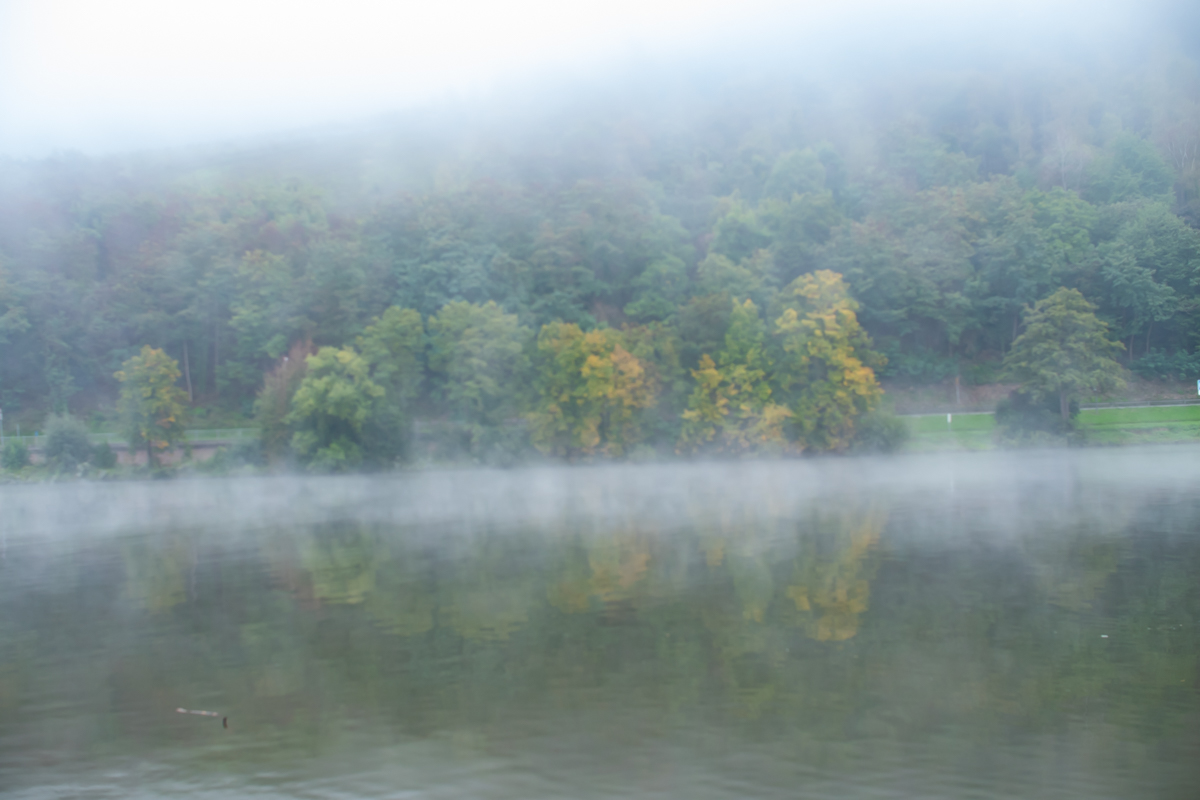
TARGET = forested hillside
x,y
662,262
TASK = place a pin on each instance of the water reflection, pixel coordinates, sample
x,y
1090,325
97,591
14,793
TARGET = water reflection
x,y
607,627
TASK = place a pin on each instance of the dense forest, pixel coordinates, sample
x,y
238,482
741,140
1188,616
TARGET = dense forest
x,y
661,261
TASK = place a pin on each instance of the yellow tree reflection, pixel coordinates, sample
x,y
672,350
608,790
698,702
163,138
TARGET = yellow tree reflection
x,y
831,587
605,570
157,572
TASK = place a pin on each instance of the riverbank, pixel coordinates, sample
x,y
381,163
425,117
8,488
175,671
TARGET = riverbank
x,y
946,398
1097,426
939,419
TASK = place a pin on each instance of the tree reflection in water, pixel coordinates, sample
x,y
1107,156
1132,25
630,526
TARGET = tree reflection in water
x,y
888,618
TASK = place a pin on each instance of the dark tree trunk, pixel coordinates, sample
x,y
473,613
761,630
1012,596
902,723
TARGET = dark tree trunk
x,y
215,362
1064,405
187,373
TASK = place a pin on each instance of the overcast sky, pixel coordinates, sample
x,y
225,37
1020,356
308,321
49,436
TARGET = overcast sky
x,y
114,75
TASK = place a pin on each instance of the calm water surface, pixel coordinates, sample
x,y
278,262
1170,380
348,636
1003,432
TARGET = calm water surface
x,y
982,626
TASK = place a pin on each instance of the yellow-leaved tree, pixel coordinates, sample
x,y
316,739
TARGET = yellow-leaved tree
x,y
826,361
731,409
151,404
589,392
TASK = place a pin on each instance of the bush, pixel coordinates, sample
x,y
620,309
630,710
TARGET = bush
x,y
1158,365
248,453
15,456
237,457
917,367
103,456
981,374
1020,418
67,443
880,432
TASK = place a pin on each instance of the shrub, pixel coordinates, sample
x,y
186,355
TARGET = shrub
x,y
1158,365
249,453
917,367
880,432
981,374
15,456
1020,418
103,456
67,443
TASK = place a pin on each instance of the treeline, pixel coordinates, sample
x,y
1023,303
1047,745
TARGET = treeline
x,y
488,387
946,213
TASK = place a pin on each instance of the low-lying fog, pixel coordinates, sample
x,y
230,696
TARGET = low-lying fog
x,y
997,487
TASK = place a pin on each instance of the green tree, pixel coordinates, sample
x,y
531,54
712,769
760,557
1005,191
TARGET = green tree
x,y
753,276
738,233
151,403
67,443
1064,350
658,290
394,348
394,345
274,400
15,455
795,172
335,401
1130,169
478,367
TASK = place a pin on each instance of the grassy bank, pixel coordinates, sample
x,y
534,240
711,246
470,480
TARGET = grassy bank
x,y
1101,426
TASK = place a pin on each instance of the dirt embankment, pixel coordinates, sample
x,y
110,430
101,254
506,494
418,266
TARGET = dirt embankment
x,y
945,397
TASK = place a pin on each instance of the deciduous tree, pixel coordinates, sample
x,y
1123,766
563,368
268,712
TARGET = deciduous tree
x,y
152,404
1064,350
826,362
478,366
334,402
589,392
731,406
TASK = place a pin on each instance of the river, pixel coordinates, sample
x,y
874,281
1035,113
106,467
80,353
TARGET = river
x,y
979,625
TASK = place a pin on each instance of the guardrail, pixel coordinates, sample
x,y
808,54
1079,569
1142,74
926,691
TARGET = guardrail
x,y
1082,407
1143,404
214,435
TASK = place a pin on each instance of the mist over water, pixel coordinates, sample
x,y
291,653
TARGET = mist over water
x,y
990,625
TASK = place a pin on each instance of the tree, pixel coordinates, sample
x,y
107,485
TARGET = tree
x,y
394,348
151,403
67,443
589,392
826,363
1064,350
731,405
478,366
393,345
334,402
15,455
659,289
274,400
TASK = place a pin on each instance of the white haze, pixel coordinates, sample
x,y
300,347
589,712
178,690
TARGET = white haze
x,y
1001,492
123,75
